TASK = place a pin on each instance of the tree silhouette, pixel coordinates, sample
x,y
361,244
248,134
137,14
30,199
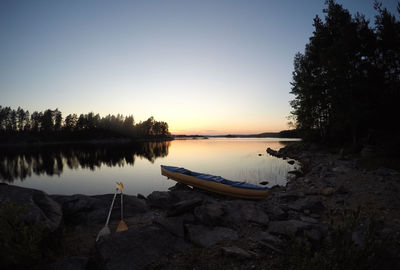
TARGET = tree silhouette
x,y
50,126
47,121
70,122
346,83
57,120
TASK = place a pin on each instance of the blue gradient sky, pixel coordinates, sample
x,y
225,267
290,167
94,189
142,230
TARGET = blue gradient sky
x,y
207,67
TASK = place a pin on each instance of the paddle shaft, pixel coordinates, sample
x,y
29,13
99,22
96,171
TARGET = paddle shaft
x,y
111,207
122,207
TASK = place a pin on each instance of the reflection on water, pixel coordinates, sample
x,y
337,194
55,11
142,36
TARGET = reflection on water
x,y
94,168
21,162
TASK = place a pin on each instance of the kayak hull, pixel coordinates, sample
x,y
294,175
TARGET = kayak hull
x,y
216,187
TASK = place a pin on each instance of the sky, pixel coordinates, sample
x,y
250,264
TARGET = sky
x,y
204,67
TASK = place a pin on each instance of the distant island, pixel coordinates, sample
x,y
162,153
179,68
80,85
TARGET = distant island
x,y
19,126
293,133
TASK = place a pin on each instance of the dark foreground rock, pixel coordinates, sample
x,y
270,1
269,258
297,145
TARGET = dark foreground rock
x,y
136,249
41,209
88,210
70,263
207,236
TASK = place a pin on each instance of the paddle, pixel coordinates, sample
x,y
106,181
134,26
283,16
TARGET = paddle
x,y
122,225
106,230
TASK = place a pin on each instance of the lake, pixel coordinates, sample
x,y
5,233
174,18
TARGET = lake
x,y
94,168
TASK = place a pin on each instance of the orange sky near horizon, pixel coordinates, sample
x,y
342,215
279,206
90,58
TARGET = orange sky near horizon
x,y
225,128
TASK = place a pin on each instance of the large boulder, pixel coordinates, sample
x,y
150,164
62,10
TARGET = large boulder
x,y
82,209
41,209
136,248
160,199
242,212
175,225
88,210
210,214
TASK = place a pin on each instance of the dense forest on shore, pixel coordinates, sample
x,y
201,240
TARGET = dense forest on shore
x,y
21,126
347,82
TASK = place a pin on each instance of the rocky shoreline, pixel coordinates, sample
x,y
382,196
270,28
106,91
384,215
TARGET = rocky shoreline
x,y
185,228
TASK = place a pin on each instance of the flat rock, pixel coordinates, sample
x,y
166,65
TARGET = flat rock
x,y
275,211
209,214
206,236
143,218
308,219
183,206
236,252
239,212
312,203
183,195
287,227
341,169
255,215
265,237
136,248
40,207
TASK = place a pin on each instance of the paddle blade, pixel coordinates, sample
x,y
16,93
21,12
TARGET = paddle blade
x,y
103,232
119,186
122,226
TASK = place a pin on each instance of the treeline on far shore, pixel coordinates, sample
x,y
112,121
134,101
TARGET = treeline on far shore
x,y
291,133
22,126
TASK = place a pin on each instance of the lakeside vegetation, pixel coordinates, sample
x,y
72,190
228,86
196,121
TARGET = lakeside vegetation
x,y
347,82
50,126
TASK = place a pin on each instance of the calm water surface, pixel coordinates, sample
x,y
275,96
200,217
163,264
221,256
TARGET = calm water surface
x,y
93,169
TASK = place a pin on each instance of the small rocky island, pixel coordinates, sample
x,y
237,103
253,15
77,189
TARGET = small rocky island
x,y
333,213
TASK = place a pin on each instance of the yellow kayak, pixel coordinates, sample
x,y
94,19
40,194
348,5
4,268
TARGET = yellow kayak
x,y
215,184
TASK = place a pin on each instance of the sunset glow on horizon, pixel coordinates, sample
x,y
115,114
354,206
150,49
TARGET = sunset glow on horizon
x,y
204,67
